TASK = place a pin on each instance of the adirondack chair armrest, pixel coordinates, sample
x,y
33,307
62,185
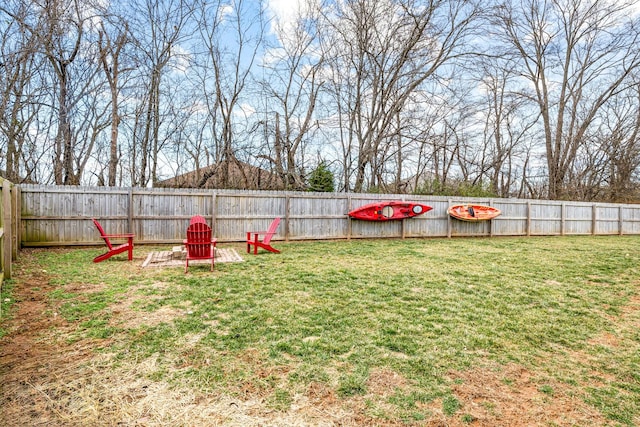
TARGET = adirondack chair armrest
x,y
115,236
253,238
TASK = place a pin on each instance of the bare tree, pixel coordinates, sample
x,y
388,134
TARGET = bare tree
x,y
113,39
159,29
618,141
576,56
60,35
20,98
507,127
292,85
381,53
232,38
58,29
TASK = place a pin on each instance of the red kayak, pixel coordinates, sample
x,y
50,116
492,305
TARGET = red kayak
x,y
387,211
473,213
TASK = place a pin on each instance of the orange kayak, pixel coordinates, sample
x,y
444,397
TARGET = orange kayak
x,y
473,213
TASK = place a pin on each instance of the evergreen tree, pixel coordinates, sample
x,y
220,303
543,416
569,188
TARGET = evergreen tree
x,y
321,179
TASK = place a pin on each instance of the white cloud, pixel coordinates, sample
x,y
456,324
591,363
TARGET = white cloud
x,y
226,10
285,12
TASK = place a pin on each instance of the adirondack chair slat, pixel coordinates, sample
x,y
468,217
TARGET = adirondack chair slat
x,y
253,238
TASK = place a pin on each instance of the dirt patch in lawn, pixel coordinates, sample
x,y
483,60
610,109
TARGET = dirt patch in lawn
x,y
48,380
513,396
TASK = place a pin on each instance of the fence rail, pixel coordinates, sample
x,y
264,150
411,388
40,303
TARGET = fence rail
x,y
60,215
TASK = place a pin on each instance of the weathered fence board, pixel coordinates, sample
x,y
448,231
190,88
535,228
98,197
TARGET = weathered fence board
x,y
61,215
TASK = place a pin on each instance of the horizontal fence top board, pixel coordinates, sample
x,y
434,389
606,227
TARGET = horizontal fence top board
x,y
60,215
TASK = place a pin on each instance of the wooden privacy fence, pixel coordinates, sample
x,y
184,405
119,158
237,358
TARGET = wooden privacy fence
x,y
53,216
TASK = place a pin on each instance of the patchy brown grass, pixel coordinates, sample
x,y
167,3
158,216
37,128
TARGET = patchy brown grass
x,y
48,380
511,396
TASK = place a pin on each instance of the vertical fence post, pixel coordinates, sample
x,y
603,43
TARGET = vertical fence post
x,y
6,224
562,220
349,208
620,220
528,218
287,215
490,222
2,236
403,229
594,218
448,219
15,222
130,212
214,211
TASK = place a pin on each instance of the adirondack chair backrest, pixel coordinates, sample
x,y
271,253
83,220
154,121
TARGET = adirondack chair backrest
x,y
271,231
197,218
103,234
198,239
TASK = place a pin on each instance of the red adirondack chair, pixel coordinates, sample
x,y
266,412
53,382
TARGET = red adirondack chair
x,y
254,236
199,243
114,250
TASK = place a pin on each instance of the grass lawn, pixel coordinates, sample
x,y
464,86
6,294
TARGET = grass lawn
x,y
504,331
